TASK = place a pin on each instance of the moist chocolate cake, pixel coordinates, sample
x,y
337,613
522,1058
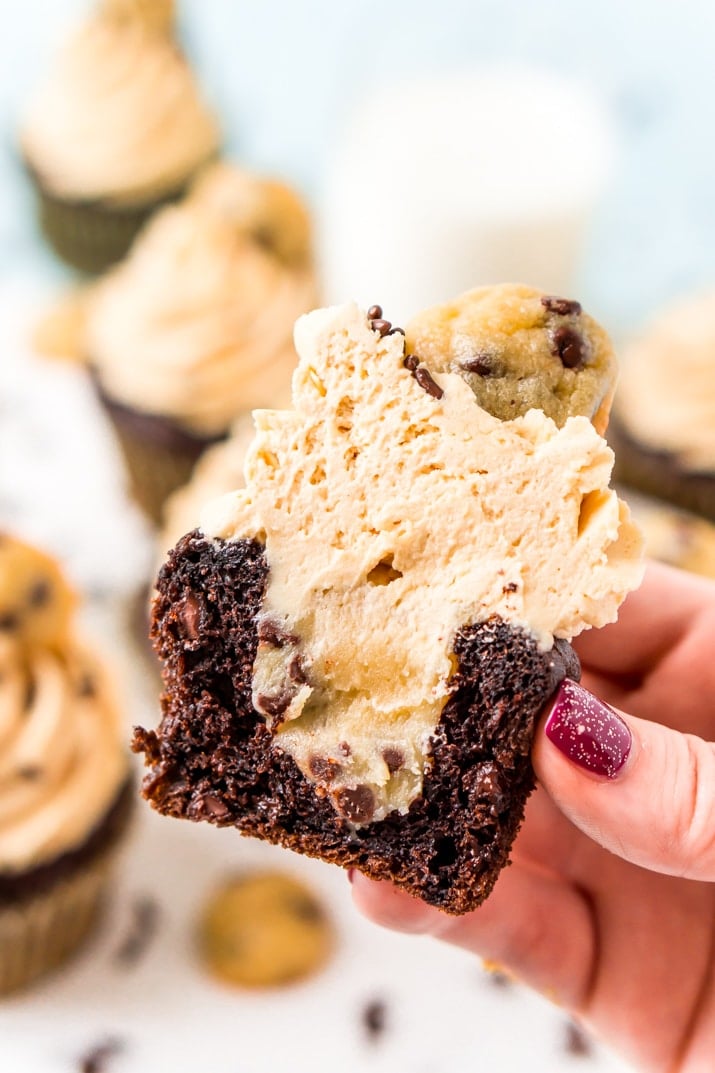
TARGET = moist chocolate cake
x,y
346,672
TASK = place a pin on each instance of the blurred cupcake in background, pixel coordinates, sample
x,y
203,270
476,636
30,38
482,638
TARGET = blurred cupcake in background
x,y
117,128
663,423
196,326
674,536
218,472
65,785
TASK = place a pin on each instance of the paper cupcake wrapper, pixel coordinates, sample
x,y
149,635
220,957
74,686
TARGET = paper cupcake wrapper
x,y
159,457
41,932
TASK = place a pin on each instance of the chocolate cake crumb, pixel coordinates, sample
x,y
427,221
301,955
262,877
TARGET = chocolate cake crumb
x,y
97,1059
190,618
511,586
562,307
576,1041
143,928
570,347
212,745
374,1019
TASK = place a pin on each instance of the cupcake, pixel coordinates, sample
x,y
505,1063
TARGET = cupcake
x,y
196,325
65,786
117,128
663,427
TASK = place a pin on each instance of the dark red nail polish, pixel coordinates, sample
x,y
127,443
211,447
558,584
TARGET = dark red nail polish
x,y
351,874
588,731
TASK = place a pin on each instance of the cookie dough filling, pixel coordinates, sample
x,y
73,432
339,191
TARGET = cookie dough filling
x,y
394,512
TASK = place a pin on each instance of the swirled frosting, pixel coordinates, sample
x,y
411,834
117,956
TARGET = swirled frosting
x,y
61,761
196,325
119,116
666,394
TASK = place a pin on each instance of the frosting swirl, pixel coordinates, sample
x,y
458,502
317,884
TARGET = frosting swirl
x,y
119,117
196,325
61,759
666,393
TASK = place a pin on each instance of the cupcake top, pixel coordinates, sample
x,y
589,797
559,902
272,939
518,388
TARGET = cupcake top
x,y
197,324
666,394
218,471
61,758
119,117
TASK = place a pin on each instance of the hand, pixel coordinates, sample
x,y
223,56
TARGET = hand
x,y
609,904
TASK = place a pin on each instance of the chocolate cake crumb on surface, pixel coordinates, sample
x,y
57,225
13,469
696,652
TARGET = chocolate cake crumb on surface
x,y
213,749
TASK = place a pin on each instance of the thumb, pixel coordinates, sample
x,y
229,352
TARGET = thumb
x,y
641,790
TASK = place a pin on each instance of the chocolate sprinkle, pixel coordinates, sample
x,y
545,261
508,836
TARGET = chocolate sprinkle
x,y
356,804
511,586
563,307
394,758
142,929
570,347
374,1019
96,1059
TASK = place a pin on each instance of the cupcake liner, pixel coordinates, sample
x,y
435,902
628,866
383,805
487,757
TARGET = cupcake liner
x,y
92,236
159,455
658,474
39,933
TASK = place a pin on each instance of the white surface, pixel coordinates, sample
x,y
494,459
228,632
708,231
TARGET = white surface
x,y
443,183
60,482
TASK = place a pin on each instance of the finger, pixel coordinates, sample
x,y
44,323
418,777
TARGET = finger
x,y
534,925
640,790
651,622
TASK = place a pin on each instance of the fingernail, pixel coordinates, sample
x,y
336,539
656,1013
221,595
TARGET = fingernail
x,y
351,874
587,731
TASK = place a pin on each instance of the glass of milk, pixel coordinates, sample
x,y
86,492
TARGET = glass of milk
x,y
446,182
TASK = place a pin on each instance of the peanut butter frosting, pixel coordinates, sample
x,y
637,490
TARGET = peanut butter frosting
x,y
666,394
61,759
394,511
196,325
119,117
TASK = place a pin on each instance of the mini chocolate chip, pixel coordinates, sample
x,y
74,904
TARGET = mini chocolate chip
x,y
142,929
356,803
374,1019
482,364
86,687
381,326
30,772
394,758
396,331
576,1042
190,614
272,633
9,621
39,594
322,768
424,379
345,749
563,307
274,704
296,670
374,313
213,805
410,361
511,586
96,1059
570,348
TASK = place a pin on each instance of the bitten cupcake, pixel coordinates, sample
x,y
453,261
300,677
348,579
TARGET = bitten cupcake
x,y
117,128
65,787
663,426
196,326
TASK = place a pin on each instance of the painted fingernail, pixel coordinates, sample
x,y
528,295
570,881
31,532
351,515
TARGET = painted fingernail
x,y
588,731
351,874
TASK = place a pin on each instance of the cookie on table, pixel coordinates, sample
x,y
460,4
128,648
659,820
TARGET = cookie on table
x,y
357,644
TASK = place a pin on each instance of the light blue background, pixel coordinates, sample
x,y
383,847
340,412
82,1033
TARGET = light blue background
x,y
284,75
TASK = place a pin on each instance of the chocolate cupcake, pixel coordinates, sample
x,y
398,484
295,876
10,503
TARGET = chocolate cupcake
x,y
663,427
116,129
195,327
357,645
65,786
